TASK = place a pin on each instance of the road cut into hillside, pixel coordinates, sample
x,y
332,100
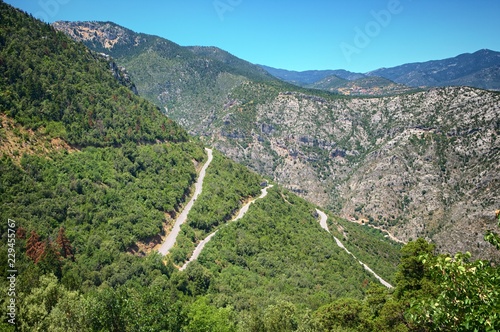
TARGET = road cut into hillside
x,y
169,241
323,222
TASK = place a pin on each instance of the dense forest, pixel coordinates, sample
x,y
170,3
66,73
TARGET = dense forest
x,y
88,170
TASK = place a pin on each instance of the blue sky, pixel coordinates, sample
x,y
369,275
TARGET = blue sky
x,y
356,35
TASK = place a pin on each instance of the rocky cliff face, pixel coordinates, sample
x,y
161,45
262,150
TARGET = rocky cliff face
x,y
101,35
120,74
419,165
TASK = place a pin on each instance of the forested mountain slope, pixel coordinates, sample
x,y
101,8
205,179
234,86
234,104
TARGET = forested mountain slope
x,y
181,80
54,84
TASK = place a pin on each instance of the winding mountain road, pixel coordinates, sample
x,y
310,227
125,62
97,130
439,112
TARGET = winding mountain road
x,y
324,225
241,213
169,241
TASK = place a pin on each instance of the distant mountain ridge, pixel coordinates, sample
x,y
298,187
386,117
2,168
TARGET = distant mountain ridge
x,y
480,69
310,76
339,81
364,86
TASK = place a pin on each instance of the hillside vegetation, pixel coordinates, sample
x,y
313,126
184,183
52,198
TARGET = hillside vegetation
x,y
82,187
47,81
75,206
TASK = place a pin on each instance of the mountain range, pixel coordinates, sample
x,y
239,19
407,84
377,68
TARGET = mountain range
x,y
480,69
418,164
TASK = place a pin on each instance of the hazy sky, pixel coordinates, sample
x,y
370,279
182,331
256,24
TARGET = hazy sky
x,y
299,35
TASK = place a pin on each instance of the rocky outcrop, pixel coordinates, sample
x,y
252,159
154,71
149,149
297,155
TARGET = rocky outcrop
x,y
122,76
99,35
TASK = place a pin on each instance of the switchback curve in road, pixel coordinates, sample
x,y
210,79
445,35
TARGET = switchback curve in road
x,y
241,213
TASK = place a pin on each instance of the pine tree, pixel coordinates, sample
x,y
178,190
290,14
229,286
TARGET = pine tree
x,y
50,258
65,248
34,247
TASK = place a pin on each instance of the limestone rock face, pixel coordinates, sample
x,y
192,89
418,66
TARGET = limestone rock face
x,y
419,165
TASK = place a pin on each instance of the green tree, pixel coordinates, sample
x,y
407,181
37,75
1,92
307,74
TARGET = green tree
x,y
344,314
203,317
468,296
412,277
281,317
105,310
51,307
392,317
199,278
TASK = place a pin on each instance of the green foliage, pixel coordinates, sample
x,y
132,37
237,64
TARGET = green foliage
x,y
226,185
106,310
440,293
392,317
112,193
106,199
413,277
281,317
55,129
468,296
200,279
51,307
203,317
343,314
369,245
